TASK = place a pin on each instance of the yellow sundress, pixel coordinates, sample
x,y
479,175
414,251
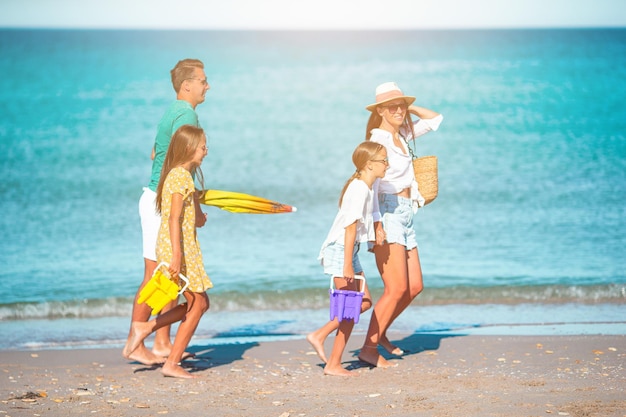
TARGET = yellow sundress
x,y
179,181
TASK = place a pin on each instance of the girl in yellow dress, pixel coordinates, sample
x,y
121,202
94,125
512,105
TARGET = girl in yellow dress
x,y
178,245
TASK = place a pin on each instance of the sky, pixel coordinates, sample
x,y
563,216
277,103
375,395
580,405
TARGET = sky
x,y
311,14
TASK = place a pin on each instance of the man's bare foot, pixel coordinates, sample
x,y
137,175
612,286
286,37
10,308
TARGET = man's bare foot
x,y
144,356
389,347
174,370
370,355
139,330
318,346
338,371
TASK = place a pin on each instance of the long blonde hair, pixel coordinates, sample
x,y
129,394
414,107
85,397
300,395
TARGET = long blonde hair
x,y
182,149
376,119
364,152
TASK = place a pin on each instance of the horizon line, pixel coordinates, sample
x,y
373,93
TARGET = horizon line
x,y
265,29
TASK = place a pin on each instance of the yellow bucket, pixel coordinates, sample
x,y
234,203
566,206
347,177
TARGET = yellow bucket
x,y
161,290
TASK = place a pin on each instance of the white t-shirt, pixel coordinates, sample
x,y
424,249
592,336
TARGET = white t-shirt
x,y
356,206
400,173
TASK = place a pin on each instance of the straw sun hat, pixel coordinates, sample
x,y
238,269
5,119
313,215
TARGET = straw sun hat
x,y
387,92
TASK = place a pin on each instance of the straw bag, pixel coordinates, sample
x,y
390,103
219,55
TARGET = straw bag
x,y
425,168
426,175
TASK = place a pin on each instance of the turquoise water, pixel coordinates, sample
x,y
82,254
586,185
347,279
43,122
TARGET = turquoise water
x,y
531,211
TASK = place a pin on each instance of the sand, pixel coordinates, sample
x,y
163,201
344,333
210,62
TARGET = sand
x,y
440,376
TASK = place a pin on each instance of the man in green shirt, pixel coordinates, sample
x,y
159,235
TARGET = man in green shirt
x,y
190,83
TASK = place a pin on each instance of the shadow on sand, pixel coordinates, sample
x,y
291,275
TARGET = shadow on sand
x,y
411,345
209,356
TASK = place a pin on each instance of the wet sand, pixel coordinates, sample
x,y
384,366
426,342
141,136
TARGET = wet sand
x,y
439,376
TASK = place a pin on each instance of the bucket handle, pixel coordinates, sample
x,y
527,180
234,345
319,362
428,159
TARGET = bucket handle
x,y
181,276
361,277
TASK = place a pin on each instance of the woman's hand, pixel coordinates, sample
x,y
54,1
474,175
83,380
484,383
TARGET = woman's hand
x,y
422,112
381,236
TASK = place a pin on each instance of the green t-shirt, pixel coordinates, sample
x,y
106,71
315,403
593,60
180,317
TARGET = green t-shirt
x,y
178,114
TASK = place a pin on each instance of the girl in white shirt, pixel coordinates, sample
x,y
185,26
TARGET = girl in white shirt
x,y
353,225
396,202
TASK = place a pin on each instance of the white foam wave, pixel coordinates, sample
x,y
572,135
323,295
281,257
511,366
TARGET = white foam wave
x,y
318,298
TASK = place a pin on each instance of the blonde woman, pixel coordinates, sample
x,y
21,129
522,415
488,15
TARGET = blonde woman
x,y
390,124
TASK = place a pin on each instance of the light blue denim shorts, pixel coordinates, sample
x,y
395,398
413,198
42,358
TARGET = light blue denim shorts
x,y
397,218
332,260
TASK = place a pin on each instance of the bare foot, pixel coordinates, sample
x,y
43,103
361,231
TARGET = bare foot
x,y
338,371
139,330
174,370
318,345
389,347
162,350
370,355
164,353
144,356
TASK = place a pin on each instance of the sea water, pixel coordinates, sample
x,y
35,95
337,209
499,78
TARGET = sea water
x,y
529,228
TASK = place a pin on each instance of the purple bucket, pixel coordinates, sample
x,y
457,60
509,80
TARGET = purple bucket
x,y
345,304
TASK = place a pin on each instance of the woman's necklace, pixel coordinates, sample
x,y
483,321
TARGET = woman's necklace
x,y
398,142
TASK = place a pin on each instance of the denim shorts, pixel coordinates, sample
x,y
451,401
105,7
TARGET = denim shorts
x,y
332,260
397,219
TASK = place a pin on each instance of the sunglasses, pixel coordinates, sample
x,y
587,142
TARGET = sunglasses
x,y
394,107
204,82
